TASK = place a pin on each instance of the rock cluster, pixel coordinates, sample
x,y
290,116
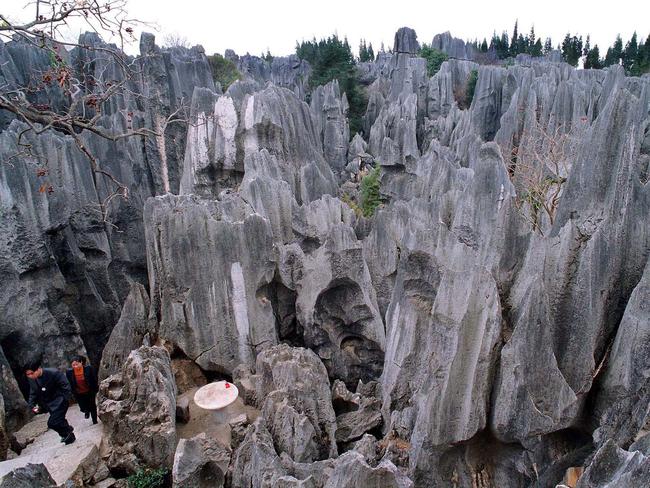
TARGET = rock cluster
x,y
487,326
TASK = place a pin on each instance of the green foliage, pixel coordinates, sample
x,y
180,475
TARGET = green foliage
x,y
572,49
268,56
471,87
224,71
148,478
366,53
592,61
370,197
434,58
332,59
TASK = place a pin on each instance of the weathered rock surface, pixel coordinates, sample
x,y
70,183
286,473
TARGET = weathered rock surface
x,y
30,476
351,470
64,273
293,388
613,467
199,462
138,409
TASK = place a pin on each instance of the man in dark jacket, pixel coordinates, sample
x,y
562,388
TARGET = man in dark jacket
x,y
83,380
49,391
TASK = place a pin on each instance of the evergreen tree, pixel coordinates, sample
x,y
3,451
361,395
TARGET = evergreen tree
x,y
536,50
531,41
587,46
548,45
514,43
615,52
592,61
630,56
572,49
332,59
371,53
484,46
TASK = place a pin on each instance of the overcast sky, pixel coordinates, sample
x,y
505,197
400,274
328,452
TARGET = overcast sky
x,y
254,25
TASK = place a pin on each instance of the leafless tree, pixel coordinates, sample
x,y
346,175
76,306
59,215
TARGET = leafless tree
x,y
539,163
174,39
88,93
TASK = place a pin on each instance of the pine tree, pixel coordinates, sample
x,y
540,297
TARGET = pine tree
x,y
484,46
548,45
587,46
615,52
630,56
371,53
514,43
536,50
592,61
531,41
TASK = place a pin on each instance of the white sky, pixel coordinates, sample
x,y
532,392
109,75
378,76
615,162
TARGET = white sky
x,y
255,25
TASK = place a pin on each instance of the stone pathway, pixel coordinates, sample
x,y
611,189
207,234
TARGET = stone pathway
x,y
60,460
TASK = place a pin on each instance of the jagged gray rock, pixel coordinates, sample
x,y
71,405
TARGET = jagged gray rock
x,y
213,306
406,41
30,476
138,409
199,462
351,470
613,467
292,385
129,332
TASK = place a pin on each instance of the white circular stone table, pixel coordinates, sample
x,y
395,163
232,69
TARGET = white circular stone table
x,y
216,396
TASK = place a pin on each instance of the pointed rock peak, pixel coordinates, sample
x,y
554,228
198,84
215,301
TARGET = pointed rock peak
x,y
406,41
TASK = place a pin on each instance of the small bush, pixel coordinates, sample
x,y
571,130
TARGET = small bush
x,y
471,86
224,71
434,58
370,197
148,478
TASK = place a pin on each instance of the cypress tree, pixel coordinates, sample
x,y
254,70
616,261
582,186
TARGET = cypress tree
x,y
592,61
630,56
514,44
548,45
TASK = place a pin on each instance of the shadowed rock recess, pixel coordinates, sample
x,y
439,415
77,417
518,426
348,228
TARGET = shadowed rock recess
x,y
464,335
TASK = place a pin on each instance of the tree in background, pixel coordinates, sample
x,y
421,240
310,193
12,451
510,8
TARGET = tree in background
x,y
548,45
366,53
332,59
614,53
592,59
629,56
434,58
224,71
572,49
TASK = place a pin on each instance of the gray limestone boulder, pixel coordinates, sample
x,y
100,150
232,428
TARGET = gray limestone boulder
x,y
406,41
613,467
199,462
293,387
30,476
138,409
351,471
211,302
129,332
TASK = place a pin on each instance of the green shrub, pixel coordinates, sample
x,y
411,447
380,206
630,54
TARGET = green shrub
x,y
148,478
370,197
471,87
224,71
434,58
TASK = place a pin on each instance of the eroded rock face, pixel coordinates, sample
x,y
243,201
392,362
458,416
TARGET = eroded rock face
x,y
212,306
30,476
351,470
614,467
64,273
293,388
199,462
138,409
